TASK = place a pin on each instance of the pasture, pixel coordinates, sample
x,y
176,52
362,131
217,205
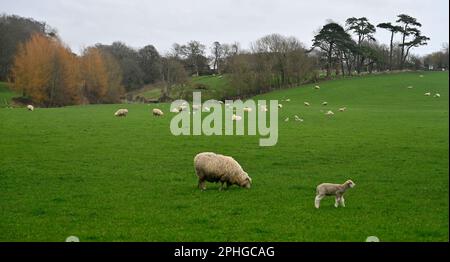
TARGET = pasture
x,y
81,171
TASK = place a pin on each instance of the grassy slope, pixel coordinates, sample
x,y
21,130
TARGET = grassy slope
x,y
80,171
5,95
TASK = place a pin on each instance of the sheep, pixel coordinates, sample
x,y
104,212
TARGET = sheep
x,y
338,190
263,108
409,87
196,107
248,109
421,76
427,94
176,109
286,120
206,109
329,113
280,106
215,168
288,100
297,118
234,117
121,112
437,95
306,103
157,112
325,103
316,87
342,109
30,108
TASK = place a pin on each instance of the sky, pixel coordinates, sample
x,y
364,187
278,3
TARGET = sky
x,y
82,23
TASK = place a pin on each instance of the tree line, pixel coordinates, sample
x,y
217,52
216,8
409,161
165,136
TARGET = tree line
x,y
43,69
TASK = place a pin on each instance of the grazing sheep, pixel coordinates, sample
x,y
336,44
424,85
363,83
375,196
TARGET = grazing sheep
x,y
286,120
427,94
30,108
329,113
248,109
297,118
157,112
196,107
176,109
234,117
306,103
215,168
337,190
409,87
325,103
121,112
437,95
317,87
263,108
342,109
421,76
206,109
280,106
288,100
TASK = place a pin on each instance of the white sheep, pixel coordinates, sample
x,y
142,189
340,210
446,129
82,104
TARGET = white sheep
x,y
427,94
297,118
337,190
409,87
316,87
288,100
157,112
342,109
248,109
325,103
215,168
437,95
176,109
280,106
286,120
30,108
329,113
264,108
121,112
306,103
196,107
234,117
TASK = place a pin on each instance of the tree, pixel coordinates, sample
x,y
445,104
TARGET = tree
x,y
46,71
364,31
150,63
172,73
15,30
409,27
327,39
393,29
217,52
194,52
94,75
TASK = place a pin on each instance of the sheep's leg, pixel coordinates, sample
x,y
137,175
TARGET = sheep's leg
x,y
201,184
342,201
336,203
221,186
317,200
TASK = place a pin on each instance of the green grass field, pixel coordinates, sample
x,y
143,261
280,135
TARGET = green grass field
x,y
81,171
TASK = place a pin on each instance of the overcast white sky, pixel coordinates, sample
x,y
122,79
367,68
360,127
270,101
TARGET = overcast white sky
x,y
81,23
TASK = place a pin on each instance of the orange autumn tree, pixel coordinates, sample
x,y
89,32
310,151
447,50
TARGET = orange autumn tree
x,y
46,71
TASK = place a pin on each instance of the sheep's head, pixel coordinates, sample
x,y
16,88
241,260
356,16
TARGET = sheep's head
x,y
247,183
350,183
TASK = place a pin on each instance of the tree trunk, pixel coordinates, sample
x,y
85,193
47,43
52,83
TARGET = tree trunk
x,y
391,50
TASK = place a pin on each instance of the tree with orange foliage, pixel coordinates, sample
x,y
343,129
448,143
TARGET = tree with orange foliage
x,y
46,71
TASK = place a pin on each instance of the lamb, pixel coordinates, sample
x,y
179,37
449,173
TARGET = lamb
x,y
427,94
306,103
157,112
329,113
327,189
342,109
30,108
121,112
215,168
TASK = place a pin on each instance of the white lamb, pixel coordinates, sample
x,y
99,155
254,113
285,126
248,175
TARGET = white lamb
x,y
337,190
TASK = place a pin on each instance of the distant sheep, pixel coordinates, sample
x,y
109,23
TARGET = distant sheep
x,y
264,108
248,109
176,109
288,100
234,117
409,87
280,106
427,94
337,190
316,87
157,112
297,118
215,168
306,103
121,112
342,109
196,107
437,95
286,120
325,103
30,108
329,113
